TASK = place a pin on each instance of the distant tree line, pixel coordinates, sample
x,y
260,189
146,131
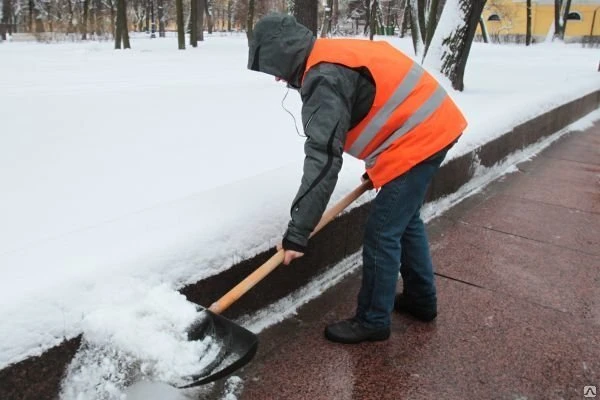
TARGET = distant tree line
x,y
446,49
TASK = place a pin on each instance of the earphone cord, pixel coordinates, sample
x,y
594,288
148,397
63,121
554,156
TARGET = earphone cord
x,y
289,112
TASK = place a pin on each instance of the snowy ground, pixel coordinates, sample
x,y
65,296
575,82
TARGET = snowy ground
x,y
126,174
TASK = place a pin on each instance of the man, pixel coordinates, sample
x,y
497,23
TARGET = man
x,y
372,101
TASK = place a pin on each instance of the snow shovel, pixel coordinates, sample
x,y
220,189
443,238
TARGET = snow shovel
x,y
237,345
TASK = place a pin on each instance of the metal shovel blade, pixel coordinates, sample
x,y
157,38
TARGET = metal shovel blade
x,y
237,346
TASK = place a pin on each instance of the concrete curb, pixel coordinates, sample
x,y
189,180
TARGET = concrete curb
x,y
40,377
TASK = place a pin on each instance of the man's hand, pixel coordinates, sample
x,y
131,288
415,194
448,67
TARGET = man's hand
x,y
289,255
364,178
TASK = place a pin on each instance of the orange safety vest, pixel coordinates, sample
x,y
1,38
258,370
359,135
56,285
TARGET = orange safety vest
x,y
412,116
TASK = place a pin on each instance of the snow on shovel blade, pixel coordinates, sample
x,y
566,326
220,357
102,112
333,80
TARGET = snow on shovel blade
x,y
237,347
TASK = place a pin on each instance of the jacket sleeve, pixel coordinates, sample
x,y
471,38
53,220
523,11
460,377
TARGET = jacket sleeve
x,y
327,94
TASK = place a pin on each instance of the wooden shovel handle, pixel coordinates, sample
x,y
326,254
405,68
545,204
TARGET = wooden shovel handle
x,y
241,288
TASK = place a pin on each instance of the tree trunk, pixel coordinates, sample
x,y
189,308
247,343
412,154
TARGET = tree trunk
x,y
415,29
431,23
39,24
125,33
229,14
209,17
152,21
421,11
180,24
30,20
97,17
326,26
147,12
373,19
565,20
113,17
6,18
484,31
84,25
194,23
306,13
334,15
453,44
118,32
367,5
201,7
405,19
70,27
250,20
528,33
122,34
160,16
557,24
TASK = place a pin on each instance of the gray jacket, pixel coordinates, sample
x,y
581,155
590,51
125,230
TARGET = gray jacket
x,y
334,100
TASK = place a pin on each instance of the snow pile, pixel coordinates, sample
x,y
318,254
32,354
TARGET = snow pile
x,y
140,336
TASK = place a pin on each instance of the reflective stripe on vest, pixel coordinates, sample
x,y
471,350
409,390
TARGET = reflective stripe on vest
x,y
408,84
418,117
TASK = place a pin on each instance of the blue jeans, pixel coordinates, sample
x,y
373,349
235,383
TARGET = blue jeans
x,y
395,241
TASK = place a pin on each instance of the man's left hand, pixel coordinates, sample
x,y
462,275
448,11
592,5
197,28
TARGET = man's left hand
x,y
289,255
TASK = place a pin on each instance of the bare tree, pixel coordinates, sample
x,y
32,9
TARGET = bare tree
x,y
161,19
557,24
229,14
405,18
306,12
194,23
415,28
560,20
250,20
209,17
372,18
6,19
84,25
434,12
122,29
335,15
453,44
565,20
528,32
180,25
484,30
327,17
200,24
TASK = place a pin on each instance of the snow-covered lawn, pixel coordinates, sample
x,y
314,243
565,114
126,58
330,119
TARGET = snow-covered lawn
x,y
126,174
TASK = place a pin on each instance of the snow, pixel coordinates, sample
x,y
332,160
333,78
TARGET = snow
x,y
127,174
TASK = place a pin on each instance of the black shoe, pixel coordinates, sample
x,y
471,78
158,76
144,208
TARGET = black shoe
x,y
423,312
350,331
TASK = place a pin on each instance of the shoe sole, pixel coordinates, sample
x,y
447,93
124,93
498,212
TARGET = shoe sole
x,y
373,338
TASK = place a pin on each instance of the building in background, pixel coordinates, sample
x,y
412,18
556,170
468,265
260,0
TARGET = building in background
x,y
506,20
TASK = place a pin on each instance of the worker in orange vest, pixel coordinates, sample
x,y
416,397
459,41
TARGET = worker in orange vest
x,y
372,101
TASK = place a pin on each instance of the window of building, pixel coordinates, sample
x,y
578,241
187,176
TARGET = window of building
x,y
496,17
574,16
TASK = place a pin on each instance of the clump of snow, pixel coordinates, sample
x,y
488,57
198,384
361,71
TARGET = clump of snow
x,y
142,335
233,388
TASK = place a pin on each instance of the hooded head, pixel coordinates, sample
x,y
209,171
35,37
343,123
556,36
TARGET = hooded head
x,y
280,47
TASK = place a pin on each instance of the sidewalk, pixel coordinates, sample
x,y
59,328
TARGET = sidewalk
x,y
519,302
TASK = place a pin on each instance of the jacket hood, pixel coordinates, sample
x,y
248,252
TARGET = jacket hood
x,y
280,47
